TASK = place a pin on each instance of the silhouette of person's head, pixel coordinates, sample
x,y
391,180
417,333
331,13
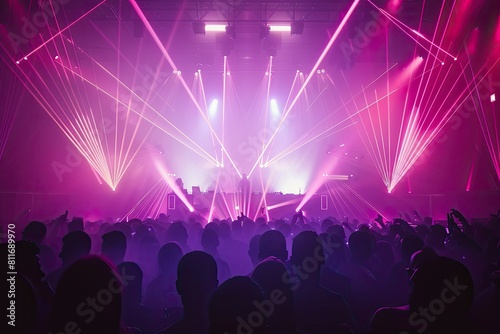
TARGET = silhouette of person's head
x,y
114,246
196,280
177,232
75,245
224,230
272,277
307,251
209,240
336,229
132,292
360,246
168,257
233,307
273,243
35,232
325,224
88,298
423,255
253,249
409,245
444,287
437,236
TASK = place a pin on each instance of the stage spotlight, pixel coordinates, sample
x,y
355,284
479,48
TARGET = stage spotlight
x,y
17,62
213,107
56,57
25,58
296,28
228,73
178,72
264,31
323,70
493,97
274,108
199,28
231,32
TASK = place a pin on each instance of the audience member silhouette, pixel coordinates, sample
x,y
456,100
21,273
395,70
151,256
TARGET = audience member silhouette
x,y
177,232
35,232
440,298
134,314
253,249
114,246
196,283
398,278
316,309
27,284
88,299
75,245
210,243
273,243
237,306
161,293
271,275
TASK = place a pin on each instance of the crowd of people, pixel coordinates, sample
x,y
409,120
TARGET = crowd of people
x,y
286,276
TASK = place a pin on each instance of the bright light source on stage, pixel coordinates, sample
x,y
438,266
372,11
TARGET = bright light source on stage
x,y
25,58
56,57
191,209
261,166
297,210
267,73
442,63
280,28
178,72
213,107
455,58
174,71
196,73
493,97
215,27
420,57
388,191
323,70
318,71
17,62
298,71
274,108
237,207
228,73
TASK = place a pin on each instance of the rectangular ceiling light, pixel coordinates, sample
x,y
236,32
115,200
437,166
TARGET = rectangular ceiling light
x,y
280,28
215,27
